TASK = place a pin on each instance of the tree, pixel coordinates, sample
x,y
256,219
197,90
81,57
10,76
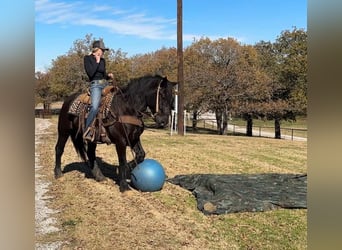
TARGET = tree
x,y
292,56
120,66
210,78
254,87
224,57
67,73
267,80
162,62
285,62
196,68
42,88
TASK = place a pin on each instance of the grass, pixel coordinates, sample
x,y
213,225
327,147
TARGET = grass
x,y
97,216
301,122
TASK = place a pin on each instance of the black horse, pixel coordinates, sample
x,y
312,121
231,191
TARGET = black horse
x,y
123,125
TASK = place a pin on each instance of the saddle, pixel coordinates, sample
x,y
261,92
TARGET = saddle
x,y
97,131
80,107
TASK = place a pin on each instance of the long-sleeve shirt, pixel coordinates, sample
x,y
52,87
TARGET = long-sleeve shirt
x,y
94,70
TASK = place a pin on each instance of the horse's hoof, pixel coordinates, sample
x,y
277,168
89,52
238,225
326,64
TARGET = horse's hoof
x,y
58,175
101,179
60,179
124,188
98,174
128,193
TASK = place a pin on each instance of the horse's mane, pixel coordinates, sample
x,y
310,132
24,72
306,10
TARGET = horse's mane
x,y
135,83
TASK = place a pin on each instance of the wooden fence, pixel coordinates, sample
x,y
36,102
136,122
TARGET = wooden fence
x,y
46,113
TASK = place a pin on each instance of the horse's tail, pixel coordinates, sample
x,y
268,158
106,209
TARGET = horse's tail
x,y
65,125
79,146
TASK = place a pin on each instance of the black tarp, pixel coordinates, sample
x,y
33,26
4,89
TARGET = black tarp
x,y
232,193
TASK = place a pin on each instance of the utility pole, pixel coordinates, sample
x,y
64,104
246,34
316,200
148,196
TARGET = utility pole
x,y
180,75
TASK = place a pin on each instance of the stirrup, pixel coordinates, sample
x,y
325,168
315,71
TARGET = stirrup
x,y
105,139
89,134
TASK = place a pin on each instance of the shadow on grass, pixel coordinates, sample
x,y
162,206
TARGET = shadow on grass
x,y
108,170
198,130
210,131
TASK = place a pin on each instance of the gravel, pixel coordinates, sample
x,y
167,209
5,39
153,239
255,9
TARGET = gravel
x,y
45,222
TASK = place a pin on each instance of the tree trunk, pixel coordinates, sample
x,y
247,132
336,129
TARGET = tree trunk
x,y
218,114
46,106
224,123
194,121
249,129
46,110
277,128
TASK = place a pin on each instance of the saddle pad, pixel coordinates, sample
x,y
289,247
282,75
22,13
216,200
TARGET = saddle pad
x,y
83,100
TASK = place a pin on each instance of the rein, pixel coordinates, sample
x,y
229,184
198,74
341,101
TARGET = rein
x,y
126,119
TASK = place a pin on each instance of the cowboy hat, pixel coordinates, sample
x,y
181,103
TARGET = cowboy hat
x,y
99,44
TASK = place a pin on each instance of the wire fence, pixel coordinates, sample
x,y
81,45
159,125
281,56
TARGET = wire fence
x,y
261,131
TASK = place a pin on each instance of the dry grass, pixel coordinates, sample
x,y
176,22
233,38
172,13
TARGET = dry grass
x,y
96,215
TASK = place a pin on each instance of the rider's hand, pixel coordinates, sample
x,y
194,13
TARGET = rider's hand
x,y
97,57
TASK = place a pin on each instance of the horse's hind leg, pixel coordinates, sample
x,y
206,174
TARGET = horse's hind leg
x,y
92,163
59,149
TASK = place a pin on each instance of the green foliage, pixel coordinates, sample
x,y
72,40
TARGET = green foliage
x,y
119,65
267,80
162,62
292,56
42,88
285,61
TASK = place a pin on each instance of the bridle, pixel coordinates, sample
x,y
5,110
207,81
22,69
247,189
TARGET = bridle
x,y
157,98
157,101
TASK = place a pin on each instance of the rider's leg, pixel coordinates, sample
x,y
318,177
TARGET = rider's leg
x,y
95,94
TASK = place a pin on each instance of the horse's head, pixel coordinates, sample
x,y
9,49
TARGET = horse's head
x,y
154,93
164,101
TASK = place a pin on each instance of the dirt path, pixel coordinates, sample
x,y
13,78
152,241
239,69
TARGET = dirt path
x,y
45,222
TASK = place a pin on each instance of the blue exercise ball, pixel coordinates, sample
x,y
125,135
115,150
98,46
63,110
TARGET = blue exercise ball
x,y
148,176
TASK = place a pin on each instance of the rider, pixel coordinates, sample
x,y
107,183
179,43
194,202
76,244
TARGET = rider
x,y
95,67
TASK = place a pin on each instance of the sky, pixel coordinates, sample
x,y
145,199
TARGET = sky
x,y
143,26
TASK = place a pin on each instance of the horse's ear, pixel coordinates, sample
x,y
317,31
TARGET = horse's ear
x,y
165,81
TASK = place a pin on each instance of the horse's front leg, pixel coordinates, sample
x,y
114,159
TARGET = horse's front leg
x,y
92,163
121,151
138,158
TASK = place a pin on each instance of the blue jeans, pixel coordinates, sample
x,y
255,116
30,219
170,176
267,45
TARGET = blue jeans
x,y
95,95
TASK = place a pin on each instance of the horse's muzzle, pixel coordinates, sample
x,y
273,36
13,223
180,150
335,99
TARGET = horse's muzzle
x,y
161,121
